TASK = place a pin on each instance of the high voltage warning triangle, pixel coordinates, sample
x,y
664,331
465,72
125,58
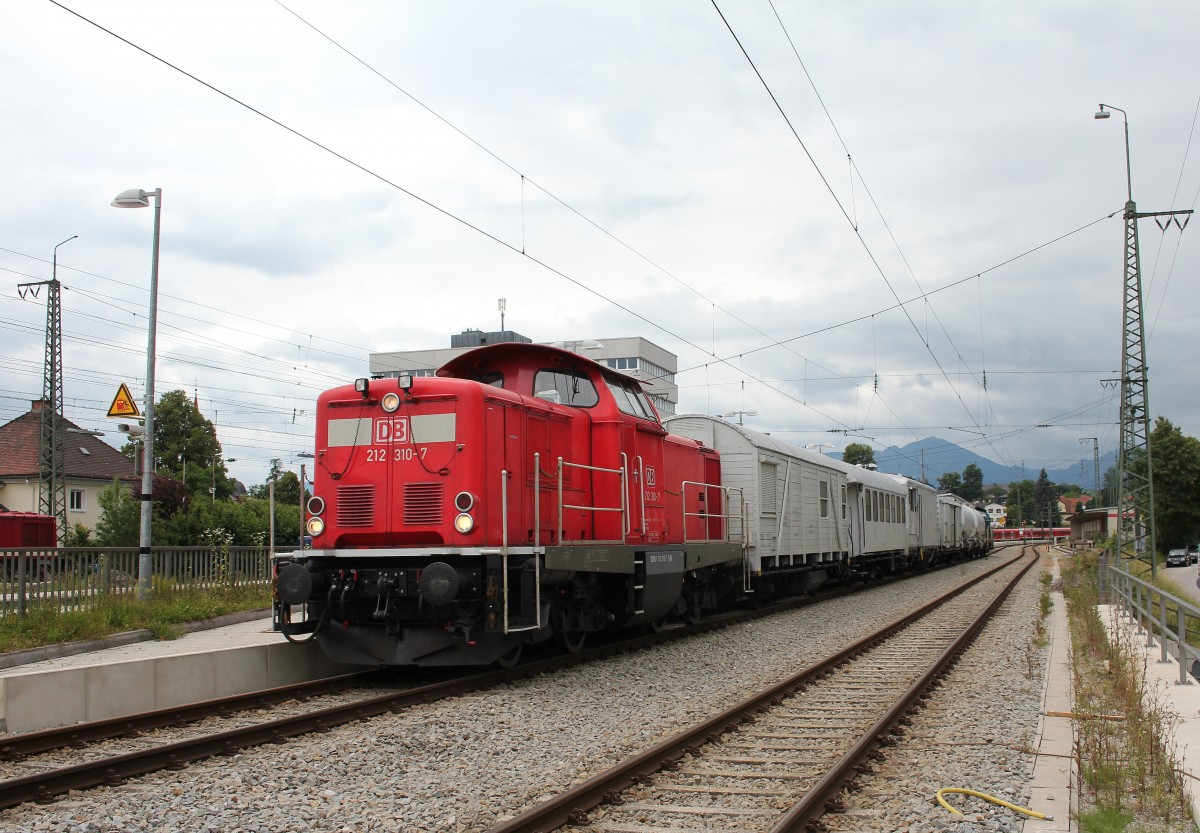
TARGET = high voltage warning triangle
x,y
122,404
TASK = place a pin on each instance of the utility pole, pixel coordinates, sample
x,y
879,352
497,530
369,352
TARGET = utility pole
x,y
1095,461
53,486
1135,469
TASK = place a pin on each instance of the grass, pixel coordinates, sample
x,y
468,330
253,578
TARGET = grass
x,y
163,614
1127,774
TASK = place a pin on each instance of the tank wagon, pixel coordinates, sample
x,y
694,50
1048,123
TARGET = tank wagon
x,y
525,493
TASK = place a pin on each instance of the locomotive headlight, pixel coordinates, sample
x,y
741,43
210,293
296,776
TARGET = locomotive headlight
x,y
316,526
316,505
390,401
464,523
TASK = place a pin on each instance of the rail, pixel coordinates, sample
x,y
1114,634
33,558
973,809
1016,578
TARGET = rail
x,y
82,578
1139,599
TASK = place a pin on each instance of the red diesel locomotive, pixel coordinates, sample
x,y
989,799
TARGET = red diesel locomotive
x,y
524,493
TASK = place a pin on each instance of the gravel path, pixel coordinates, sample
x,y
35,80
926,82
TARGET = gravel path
x,y
464,764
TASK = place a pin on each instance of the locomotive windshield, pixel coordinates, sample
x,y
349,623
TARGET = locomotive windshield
x,y
630,400
565,388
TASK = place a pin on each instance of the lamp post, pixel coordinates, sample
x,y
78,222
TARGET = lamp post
x,y
137,198
309,456
820,447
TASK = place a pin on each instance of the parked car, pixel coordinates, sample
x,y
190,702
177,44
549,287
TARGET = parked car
x,y
1178,557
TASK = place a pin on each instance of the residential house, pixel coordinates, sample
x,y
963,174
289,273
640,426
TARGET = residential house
x,y
89,465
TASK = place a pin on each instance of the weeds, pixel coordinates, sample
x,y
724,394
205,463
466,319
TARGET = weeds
x,y
1126,767
47,624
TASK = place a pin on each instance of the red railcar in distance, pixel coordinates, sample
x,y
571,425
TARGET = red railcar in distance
x,y
1027,533
27,529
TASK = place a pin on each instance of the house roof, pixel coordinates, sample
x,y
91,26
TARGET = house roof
x,y
84,456
1070,504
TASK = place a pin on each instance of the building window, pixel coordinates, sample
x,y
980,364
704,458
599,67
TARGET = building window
x,y
76,500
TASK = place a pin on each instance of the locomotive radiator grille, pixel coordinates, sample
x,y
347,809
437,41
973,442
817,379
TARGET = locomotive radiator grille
x,y
423,503
356,505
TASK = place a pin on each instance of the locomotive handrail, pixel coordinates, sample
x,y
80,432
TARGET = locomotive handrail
x,y
641,479
537,561
725,515
623,508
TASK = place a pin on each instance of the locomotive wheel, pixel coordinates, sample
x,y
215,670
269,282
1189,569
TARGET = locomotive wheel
x,y
572,641
511,658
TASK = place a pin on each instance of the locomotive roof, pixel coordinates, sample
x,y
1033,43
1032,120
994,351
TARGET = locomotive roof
x,y
510,353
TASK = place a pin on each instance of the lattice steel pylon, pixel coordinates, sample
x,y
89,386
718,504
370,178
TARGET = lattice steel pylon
x,y
1135,468
52,499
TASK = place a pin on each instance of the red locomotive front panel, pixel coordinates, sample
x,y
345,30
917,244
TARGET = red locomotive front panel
x,y
523,493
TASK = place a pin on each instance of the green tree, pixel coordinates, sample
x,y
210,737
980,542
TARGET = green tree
x,y
120,517
950,482
1176,459
858,454
1045,502
1108,492
1019,506
187,449
972,483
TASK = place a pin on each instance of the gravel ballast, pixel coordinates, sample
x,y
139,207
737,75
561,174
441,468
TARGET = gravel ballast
x,y
466,763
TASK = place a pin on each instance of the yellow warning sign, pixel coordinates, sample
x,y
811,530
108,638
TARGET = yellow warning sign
x,y
122,404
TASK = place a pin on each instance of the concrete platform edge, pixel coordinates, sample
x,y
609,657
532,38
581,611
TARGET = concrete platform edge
x,y
13,659
1053,787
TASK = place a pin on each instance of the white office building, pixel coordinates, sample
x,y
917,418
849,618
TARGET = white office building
x,y
644,360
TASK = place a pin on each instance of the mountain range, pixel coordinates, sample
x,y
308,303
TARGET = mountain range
x,y
936,457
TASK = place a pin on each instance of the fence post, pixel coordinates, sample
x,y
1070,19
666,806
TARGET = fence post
x,y
1181,646
1162,629
22,563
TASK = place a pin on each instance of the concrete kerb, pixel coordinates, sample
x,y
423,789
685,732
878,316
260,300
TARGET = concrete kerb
x,y
1053,789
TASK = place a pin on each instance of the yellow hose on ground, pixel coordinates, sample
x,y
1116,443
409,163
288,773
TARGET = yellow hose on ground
x,y
960,790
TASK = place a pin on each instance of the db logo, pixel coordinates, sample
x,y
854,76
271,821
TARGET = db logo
x,y
650,477
391,430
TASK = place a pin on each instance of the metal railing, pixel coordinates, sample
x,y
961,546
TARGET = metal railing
x,y
1150,608
81,578
622,476
733,524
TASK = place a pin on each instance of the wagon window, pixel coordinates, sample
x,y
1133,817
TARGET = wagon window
x,y
824,499
843,503
565,388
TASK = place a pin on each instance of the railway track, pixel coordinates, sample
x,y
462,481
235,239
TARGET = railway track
x,y
779,760
49,778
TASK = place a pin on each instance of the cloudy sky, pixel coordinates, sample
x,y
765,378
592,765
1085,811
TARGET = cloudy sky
x,y
346,178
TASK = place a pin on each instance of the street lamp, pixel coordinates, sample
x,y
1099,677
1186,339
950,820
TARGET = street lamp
x,y
137,198
820,447
303,521
1104,114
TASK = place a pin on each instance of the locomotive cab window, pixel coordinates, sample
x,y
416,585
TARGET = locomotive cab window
x,y
565,388
630,400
